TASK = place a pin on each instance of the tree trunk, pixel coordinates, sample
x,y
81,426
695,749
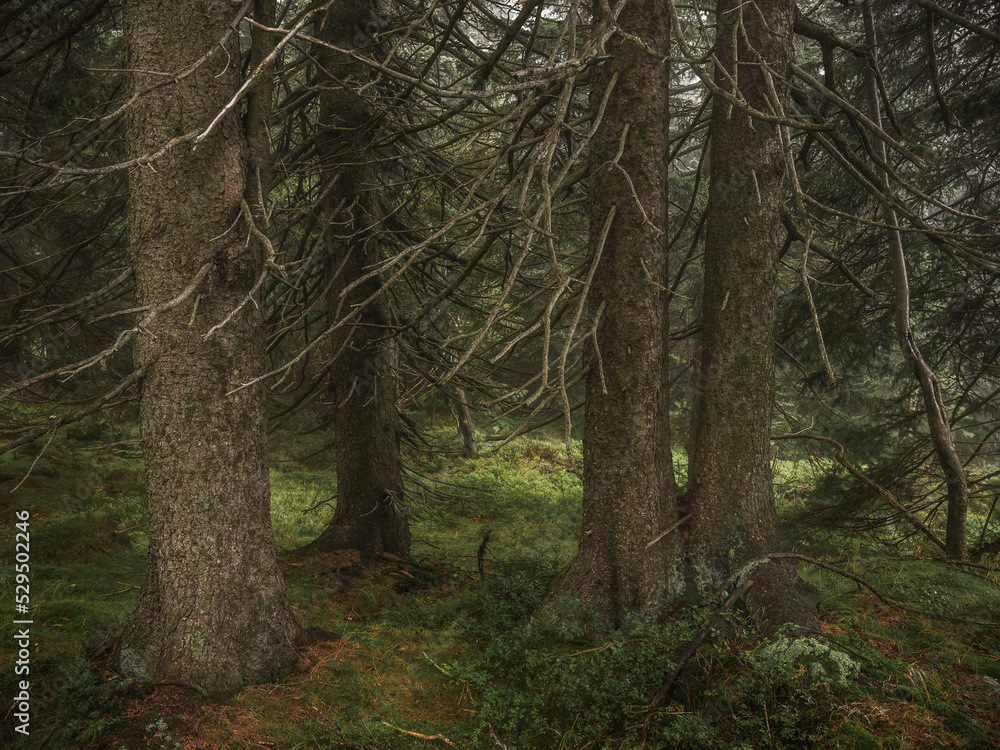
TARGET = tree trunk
x,y
370,513
956,539
628,489
214,611
730,486
466,427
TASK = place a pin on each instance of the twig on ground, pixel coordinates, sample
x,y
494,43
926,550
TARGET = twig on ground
x,y
417,735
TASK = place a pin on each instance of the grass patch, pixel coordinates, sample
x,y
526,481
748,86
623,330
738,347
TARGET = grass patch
x,y
301,503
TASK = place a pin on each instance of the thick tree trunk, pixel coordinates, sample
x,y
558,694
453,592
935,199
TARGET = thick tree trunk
x,y
370,513
214,611
628,495
730,488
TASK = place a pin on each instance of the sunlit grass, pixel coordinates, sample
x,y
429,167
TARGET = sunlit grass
x,y
301,504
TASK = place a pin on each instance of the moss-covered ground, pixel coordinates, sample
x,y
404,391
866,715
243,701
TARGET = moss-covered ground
x,y
437,654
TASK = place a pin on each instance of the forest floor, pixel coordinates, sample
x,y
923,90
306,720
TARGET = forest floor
x,y
437,654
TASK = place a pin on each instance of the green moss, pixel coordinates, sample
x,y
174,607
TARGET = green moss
x,y
862,739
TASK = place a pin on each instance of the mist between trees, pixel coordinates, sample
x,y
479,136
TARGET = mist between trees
x,y
677,232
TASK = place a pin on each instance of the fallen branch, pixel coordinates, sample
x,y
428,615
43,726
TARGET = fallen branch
x,y
496,739
417,735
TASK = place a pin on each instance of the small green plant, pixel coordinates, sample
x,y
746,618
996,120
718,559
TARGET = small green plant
x,y
688,731
159,729
77,704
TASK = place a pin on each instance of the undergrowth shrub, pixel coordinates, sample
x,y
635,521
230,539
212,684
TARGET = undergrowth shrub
x,y
551,679
73,703
567,680
736,700
510,596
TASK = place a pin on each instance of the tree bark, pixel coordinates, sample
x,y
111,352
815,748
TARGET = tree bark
x,y
731,488
628,492
214,611
370,514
